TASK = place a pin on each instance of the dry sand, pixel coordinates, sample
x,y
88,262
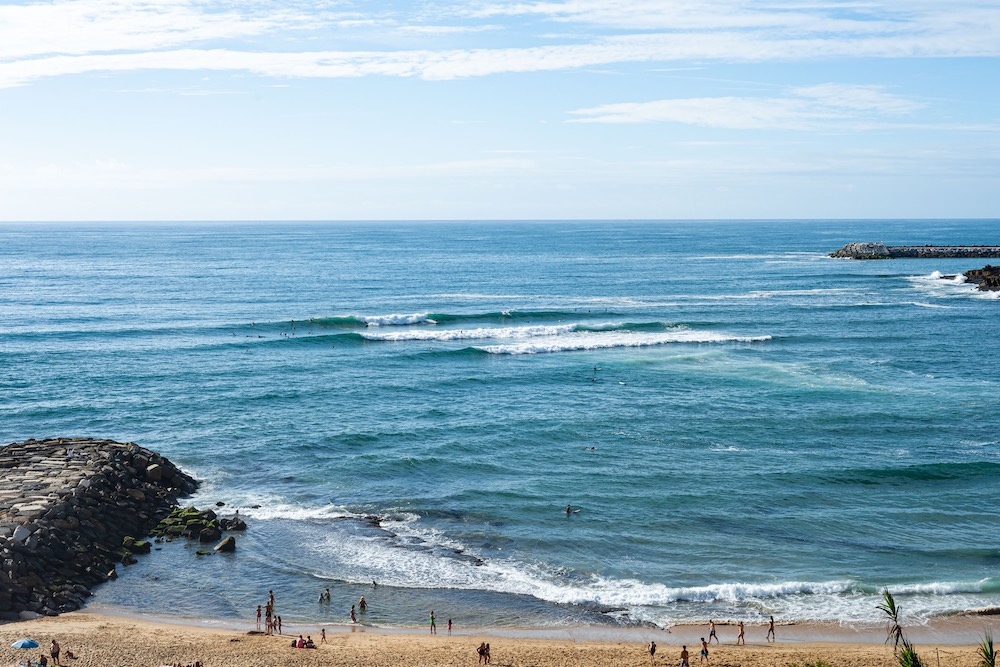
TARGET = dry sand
x,y
109,641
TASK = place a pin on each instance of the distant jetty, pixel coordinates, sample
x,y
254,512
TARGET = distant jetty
x,y
883,251
70,509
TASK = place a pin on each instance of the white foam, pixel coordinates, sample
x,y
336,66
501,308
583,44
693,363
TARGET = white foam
x,y
471,334
395,319
931,305
598,340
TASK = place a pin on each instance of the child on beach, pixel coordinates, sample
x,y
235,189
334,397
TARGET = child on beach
x,y
739,637
704,651
322,635
684,657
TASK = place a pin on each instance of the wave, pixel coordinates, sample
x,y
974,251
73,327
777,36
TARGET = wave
x,y
399,550
410,319
512,333
931,472
585,341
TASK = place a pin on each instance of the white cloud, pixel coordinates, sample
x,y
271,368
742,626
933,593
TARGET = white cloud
x,y
813,107
64,37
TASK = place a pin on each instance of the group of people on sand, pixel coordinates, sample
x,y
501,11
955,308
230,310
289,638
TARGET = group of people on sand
x,y
685,658
306,642
272,622
484,653
44,660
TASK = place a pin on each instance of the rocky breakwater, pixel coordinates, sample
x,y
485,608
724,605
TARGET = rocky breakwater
x,y
883,251
986,278
67,506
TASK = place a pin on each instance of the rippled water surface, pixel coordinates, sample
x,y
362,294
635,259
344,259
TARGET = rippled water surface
x,y
746,426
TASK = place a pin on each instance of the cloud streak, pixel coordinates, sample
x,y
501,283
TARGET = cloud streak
x,y
825,106
68,37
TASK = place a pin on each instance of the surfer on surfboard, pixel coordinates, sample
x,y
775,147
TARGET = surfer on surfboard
x,y
570,510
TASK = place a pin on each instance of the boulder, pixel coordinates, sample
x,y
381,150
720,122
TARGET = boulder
x,y
227,545
209,534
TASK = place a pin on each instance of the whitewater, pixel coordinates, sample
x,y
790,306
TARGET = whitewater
x,y
747,426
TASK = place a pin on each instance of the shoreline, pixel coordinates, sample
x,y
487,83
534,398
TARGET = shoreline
x,y
99,639
950,631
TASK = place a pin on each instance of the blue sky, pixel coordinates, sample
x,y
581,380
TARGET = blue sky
x,y
301,109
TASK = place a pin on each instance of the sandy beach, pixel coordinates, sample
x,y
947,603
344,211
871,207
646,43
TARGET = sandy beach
x,y
106,641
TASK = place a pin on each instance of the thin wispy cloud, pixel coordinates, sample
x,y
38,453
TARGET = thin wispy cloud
x,y
66,37
812,107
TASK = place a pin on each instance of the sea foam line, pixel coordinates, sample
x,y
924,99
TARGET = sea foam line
x,y
471,334
583,341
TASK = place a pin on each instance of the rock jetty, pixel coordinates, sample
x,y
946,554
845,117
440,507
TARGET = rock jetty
x,y
883,251
986,278
70,509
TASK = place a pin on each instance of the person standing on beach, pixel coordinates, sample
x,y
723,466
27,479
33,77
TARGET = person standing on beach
x,y
711,632
434,629
258,617
481,651
770,631
322,635
739,637
449,626
354,619
278,621
684,657
54,652
704,650
488,658
651,647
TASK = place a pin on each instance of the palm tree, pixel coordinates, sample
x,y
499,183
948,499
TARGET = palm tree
x,y
906,654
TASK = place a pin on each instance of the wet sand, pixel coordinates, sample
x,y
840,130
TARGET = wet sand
x,y
108,641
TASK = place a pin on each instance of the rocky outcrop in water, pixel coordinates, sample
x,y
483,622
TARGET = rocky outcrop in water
x,y
987,278
70,509
882,251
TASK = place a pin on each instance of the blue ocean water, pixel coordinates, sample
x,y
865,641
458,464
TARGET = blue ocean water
x,y
747,426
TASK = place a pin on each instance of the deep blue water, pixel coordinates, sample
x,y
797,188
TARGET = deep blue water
x,y
747,426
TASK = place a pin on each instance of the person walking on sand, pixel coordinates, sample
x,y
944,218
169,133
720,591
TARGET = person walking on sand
x,y
354,618
684,657
54,652
277,621
488,658
770,631
322,635
481,651
739,637
434,629
704,651
258,616
651,647
711,632
449,626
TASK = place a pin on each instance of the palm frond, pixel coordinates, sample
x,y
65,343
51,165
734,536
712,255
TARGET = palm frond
x,y
987,654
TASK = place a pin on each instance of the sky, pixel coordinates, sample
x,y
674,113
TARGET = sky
x,y
499,109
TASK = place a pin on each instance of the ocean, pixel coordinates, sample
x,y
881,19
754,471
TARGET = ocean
x,y
746,426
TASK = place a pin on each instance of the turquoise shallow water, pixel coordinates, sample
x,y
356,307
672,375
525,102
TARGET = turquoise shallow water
x,y
747,426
